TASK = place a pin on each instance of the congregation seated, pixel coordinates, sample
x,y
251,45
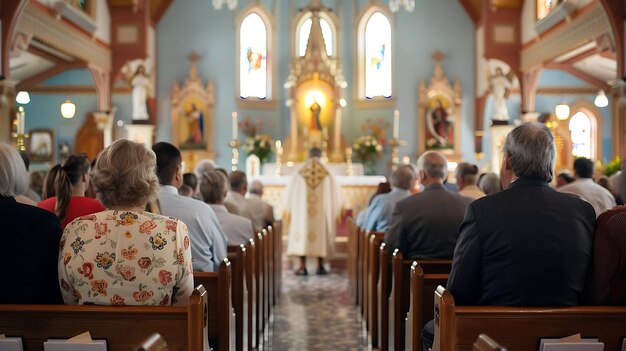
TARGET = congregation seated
x,y
235,200
31,240
607,285
208,241
426,225
30,192
190,186
584,186
381,188
466,179
563,178
379,213
238,229
528,245
47,191
124,255
489,183
70,184
262,212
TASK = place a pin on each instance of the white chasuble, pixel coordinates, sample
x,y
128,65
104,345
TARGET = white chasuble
x,y
313,206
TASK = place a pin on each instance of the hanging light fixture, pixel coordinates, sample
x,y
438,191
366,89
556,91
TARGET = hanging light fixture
x,y
562,111
68,109
601,100
231,4
395,5
22,98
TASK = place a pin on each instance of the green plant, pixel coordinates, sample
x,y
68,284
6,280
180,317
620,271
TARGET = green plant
x,y
367,148
612,167
259,145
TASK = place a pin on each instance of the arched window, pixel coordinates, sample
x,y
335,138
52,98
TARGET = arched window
x,y
304,29
580,129
375,55
254,55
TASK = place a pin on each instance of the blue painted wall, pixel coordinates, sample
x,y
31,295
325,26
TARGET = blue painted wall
x,y
417,35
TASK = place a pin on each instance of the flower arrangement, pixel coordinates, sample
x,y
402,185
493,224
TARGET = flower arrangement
x,y
259,145
612,167
367,148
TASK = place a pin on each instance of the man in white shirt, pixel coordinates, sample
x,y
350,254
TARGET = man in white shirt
x,y
584,186
238,229
208,242
466,180
262,212
235,199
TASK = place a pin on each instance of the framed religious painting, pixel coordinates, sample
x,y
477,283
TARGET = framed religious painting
x,y
41,145
439,109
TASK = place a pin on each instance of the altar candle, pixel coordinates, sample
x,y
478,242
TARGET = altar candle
x,y
279,147
20,121
396,123
235,126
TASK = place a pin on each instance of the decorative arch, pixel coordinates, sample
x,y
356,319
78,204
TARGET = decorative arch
x,y
302,28
595,119
375,55
255,28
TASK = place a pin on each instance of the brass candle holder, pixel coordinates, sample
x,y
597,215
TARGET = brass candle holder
x,y
349,169
234,144
395,144
279,158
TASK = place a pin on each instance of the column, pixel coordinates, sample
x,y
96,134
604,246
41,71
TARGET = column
x,y
7,108
336,155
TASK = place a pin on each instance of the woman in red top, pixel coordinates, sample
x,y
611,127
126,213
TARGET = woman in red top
x,y
69,185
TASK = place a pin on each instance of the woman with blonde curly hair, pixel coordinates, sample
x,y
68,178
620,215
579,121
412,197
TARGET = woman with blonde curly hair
x,y
124,255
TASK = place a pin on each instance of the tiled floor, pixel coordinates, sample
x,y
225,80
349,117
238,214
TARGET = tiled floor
x,y
316,313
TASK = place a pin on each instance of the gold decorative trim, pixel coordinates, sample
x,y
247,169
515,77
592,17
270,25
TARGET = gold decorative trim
x,y
62,37
63,89
588,25
566,91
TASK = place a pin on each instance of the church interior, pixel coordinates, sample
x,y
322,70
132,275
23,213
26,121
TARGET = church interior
x,y
254,84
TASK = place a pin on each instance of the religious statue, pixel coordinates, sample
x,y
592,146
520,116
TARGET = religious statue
x,y
315,123
500,85
140,83
196,126
440,124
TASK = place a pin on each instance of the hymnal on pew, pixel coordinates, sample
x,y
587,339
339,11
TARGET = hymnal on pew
x,y
571,343
82,342
10,344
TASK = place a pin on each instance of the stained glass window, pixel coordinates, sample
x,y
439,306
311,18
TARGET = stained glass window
x,y
580,129
327,33
253,57
377,56
544,7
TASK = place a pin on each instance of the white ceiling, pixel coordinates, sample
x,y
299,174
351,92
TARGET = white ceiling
x,y
598,66
27,65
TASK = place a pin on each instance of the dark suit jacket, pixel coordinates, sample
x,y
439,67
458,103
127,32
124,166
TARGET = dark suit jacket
x,y
30,252
528,245
426,225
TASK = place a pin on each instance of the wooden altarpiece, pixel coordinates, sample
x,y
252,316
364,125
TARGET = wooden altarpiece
x,y
439,106
192,117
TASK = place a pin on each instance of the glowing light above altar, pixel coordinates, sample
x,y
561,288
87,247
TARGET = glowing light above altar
x,y
313,96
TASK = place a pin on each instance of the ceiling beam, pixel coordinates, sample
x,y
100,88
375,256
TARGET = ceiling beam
x,y
46,55
598,83
472,12
47,74
160,11
580,57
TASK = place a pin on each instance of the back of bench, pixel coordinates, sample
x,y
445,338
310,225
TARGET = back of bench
x,y
123,327
237,257
521,328
220,308
252,294
375,239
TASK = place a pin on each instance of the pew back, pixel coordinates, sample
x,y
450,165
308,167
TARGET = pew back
x,y
237,257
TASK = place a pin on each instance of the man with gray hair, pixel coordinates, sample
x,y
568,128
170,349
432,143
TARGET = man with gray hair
x,y
466,179
379,212
262,212
426,225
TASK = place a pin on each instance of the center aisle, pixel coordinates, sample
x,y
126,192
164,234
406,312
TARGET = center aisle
x,y
316,313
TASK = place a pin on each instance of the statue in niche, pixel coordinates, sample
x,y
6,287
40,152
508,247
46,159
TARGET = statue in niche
x,y
140,83
500,85
315,123
196,126
440,129
440,123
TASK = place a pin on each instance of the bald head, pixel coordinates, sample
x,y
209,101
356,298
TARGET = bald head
x,y
432,167
403,177
256,187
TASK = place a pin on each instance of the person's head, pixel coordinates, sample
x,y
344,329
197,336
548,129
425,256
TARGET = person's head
x,y
604,182
403,177
13,175
26,160
563,178
190,180
238,182
529,152
185,190
490,183
213,187
72,179
48,182
432,167
583,168
36,181
204,165
381,188
141,69
315,152
124,175
466,175
256,188
168,164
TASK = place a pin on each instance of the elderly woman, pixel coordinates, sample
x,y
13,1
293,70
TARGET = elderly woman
x,y
213,189
124,255
31,240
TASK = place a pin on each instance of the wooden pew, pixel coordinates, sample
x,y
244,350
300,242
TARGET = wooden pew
x,y
360,261
521,328
259,289
485,343
364,278
375,239
251,284
383,293
237,257
278,257
123,327
352,257
267,283
220,308
400,292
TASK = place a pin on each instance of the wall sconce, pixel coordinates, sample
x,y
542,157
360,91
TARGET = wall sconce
x,y
22,98
68,109
562,111
601,100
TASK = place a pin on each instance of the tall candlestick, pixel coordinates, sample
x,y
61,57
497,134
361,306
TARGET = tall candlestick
x,y
20,120
396,123
235,126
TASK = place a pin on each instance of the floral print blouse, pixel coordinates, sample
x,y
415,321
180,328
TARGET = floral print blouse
x,y
125,258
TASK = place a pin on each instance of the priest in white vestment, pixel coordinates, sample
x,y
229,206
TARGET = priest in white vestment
x,y
313,209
